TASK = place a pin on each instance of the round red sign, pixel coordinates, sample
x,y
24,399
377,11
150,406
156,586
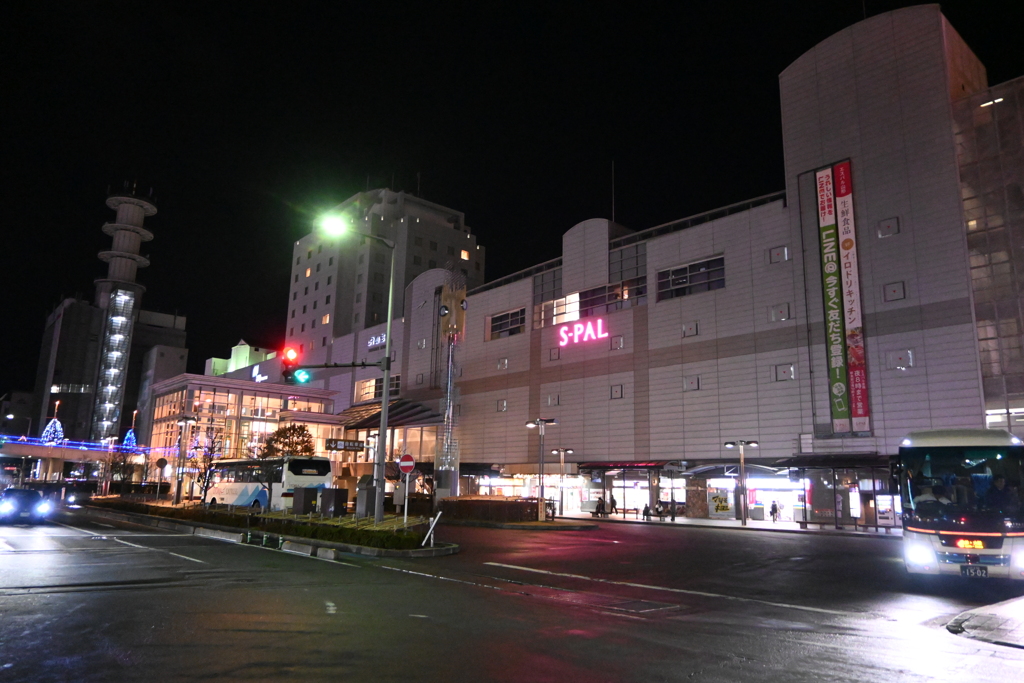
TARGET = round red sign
x,y
406,464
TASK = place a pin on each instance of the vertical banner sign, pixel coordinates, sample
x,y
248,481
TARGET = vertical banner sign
x,y
835,328
856,367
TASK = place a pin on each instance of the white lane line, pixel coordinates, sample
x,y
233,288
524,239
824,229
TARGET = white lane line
x,y
185,557
134,545
4,545
109,526
75,528
703,594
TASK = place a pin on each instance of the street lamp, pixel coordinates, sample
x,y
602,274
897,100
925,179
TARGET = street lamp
x,y
743,476
338,225
180,467
561,453
541,423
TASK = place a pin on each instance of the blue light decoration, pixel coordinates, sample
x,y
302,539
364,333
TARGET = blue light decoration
x,y
129,443
54,432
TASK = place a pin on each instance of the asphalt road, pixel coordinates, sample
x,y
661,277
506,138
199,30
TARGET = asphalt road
x,y
85,601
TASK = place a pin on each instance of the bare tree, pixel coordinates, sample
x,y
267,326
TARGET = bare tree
x,y
122,465
290,441
203,457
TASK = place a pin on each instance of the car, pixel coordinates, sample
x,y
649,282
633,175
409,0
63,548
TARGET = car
x,y
24,505
77,497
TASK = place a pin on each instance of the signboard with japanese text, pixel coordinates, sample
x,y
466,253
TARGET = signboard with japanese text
x,y
343,445
831,283
856,366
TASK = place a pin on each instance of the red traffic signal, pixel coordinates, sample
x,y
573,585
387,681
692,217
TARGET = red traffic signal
x,y
289,361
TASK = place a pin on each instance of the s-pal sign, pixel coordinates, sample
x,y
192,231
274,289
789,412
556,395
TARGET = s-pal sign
x,y
581,332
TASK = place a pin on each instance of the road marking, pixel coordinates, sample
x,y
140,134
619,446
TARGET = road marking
x,y
419,616
75,528
4,545
185,557
109,526
134,545
684,591
331,607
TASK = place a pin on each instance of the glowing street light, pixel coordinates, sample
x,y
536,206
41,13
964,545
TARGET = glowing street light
x,y
541,423
339,225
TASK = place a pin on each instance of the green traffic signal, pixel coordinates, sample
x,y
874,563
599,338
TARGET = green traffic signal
x,y
302,376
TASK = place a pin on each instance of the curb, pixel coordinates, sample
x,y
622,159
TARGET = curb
x,y
958,626
582,526
811,532
293,544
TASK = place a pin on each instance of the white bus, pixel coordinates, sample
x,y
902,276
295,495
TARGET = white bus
x,y
238,482
962,511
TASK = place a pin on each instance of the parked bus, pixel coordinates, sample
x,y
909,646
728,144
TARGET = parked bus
x,y
241,482
961,493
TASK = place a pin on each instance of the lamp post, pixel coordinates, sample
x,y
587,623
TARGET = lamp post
x,y
561,453
180,465
338,225
743,476
24,462
541,423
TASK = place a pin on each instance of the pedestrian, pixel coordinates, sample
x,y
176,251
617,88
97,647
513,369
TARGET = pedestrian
x,y
647,513
659,510
615,505
775,511
600,507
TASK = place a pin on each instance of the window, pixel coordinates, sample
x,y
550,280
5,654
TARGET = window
x,y
324,342
503,363
616,391
312,326
553,354
451,251
305,291
502,405
691,383
318,267
291,331
778,254
419,378
327,300
330,261
303,309
319,248
464,255
308,271
627,263
477,265
296,277
293,312
356,317
298,259
416,260
314,304
889,227
901,360
370,389
303,328
295,295
618,342
328,279
784,373
778,313
703,276
326,319
507,324
418,241
309,254
894,291
691,329
433,246
553,400
611,298
316,285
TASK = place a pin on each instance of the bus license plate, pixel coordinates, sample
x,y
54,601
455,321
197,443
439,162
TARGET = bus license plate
x,y
974,572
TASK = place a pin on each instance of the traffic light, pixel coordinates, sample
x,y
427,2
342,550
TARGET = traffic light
x,y
301,376
289,363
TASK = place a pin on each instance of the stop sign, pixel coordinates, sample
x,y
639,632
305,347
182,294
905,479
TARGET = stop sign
x,y
406,464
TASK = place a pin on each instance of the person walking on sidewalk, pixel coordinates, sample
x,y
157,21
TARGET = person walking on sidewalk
x,y
614,507
775,511
647,512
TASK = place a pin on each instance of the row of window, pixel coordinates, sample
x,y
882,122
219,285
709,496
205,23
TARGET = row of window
x,y
370,389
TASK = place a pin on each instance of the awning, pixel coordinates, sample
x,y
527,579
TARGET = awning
x,y
466,469
401,413
834,460
629,465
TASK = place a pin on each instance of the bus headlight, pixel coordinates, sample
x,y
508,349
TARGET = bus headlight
x,y
1018,559
920,554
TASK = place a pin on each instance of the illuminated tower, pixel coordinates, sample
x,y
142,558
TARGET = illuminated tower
x,y
117,297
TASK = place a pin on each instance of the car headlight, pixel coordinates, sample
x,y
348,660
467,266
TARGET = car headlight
x,y
71,498
44,508
920,554
6,506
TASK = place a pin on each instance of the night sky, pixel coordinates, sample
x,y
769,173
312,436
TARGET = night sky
x,y
249,118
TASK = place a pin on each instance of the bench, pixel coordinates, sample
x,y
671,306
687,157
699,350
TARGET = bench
x,y
625,511
589,506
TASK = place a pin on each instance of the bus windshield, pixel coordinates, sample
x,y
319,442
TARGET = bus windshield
x,y
962,485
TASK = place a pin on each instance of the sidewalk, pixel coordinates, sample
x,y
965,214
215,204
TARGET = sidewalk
x,y
752,525
1001,623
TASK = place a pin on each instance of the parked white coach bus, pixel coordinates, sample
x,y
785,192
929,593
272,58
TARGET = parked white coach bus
x,y
962,511
238,482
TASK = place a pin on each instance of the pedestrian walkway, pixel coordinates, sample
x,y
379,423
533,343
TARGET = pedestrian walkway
x,y
1001,623
752,525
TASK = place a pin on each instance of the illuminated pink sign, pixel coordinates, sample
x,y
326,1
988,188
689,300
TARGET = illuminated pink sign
x,y
581,332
